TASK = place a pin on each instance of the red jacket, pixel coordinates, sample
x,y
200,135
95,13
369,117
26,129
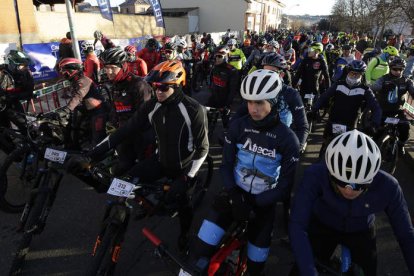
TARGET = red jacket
x,y
151,58
91,66
138,67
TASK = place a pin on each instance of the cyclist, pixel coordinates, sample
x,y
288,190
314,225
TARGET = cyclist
x,y
409,69
150,54
168,52
259,159
391,91
347,97
255,57
310,71
236,56
16,84
346,53
106,42
277,63
136,65
185,56
91,65
128,93
288,52
378,66
336,204
180,125
224,80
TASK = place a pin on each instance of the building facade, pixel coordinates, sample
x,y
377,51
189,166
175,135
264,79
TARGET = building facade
x,y
240,15
134,6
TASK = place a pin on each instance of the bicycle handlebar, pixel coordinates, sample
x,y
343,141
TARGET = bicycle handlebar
x,y
151,237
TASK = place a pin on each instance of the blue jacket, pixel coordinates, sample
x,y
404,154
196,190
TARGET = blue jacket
x,y
261,162
315,197
347,103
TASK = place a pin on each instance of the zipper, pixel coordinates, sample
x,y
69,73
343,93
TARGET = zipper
x,y
255,173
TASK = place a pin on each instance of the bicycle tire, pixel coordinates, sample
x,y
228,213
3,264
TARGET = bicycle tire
x,y
102,263
32,221
198,191
7,170
389,154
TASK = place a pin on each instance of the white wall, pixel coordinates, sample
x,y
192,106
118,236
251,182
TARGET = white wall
x,y
214,15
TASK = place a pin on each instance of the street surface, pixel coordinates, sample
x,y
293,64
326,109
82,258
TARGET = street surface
x,y
65,245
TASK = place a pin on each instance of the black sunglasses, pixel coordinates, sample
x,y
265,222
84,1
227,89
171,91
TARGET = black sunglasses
x,y
219,56
354,187
397,69
161,86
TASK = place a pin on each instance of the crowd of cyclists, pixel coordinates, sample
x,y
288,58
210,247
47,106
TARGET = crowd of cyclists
x,y
161,131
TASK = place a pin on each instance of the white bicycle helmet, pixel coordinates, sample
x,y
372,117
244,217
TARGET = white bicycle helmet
x,y
261,85
232,41
181,43
274,44
353,157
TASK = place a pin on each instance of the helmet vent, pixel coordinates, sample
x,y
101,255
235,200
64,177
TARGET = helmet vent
x,y
263,84
345,140
370,147
368,168
252,83
349,168
358,166
359,141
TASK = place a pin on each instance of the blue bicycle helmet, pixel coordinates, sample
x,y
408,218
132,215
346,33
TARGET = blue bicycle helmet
x,y
357,66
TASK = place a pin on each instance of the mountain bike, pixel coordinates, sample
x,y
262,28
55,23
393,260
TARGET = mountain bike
x,y
117,214
389,143
229,259
41,198
19,169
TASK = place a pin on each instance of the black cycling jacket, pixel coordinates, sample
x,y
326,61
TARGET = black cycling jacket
x,y
310,71
180,125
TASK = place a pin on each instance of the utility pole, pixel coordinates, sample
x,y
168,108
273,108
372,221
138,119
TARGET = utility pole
x,y
16,9
75,44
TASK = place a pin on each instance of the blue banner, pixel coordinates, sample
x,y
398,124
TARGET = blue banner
x,y
44,56
156,7
105,7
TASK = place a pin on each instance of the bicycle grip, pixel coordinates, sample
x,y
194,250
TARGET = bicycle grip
x,y
151,236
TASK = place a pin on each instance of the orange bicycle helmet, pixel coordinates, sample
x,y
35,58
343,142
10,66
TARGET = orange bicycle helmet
x,y
168,72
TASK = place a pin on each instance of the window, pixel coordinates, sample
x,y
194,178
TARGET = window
x,y
126,10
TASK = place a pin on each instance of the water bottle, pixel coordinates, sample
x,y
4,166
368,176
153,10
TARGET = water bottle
x,y
345,259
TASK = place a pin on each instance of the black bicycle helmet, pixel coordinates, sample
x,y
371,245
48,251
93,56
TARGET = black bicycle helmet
x,y
346,47
151,43
398,63
115,56
16,58
274,59
357,66
261,41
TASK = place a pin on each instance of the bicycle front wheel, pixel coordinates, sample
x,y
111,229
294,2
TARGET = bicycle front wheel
x,y
32,227
17,176
105,252
389,154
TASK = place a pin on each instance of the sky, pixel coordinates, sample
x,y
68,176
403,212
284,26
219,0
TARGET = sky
x,y
295,7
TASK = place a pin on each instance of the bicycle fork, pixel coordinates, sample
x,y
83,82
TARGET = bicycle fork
x,y
120,218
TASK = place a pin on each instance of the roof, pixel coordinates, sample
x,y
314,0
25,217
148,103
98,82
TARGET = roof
x,y
133,2
174,10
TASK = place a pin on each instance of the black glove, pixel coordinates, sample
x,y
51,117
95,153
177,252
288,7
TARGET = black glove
x,y
178,190
77,164
241,206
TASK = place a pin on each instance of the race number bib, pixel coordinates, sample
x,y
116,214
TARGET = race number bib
x,y
183,273
55,155
120,188
338,128
391,120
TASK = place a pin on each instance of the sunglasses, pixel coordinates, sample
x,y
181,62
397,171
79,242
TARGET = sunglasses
x,y
161,86
219,56
354,187
168,51
396,69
